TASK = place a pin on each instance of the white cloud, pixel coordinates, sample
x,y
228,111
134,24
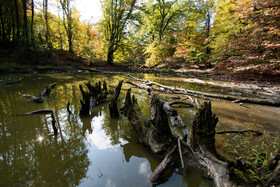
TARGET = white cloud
x,y
144,169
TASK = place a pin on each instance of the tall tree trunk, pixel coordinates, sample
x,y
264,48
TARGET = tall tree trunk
x,y
67,15
32,22
110,55
17,19
47,34
208,25
3,35
25,27
13,26
70,42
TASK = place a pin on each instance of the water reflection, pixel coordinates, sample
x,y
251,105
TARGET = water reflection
x,y
89,151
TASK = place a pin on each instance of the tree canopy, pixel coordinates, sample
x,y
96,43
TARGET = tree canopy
x,y
149,32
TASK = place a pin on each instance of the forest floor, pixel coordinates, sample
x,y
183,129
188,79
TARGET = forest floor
x,y
259,75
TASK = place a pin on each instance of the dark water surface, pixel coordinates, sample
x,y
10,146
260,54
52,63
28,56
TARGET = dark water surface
x,y
95,150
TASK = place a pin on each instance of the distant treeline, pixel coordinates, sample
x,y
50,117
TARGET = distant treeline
x,y
149,32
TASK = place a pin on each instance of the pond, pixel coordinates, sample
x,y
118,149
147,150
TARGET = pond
x,y
98,150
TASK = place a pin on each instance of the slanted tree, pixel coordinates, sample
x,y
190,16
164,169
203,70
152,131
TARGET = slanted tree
x,y
116,14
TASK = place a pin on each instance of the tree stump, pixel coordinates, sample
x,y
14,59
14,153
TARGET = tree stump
x,y
113,107
202,133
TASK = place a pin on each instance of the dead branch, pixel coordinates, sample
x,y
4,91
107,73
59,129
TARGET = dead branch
x,y
162,168
180,153
169,89
240,131
33,98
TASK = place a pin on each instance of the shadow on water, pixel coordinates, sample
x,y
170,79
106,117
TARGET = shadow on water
x,y
88,151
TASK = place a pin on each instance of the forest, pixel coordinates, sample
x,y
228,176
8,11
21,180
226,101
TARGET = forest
x,y
153,33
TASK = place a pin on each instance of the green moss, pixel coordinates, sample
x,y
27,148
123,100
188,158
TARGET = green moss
x,y
240,175
253,177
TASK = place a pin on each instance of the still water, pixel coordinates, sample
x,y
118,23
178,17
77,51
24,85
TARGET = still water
x,y
88,151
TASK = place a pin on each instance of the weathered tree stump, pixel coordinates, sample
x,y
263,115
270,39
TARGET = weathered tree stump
x,y
47,91
94,97
202,133
154,133
113,107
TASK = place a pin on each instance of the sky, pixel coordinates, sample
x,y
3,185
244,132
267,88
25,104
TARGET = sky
x,y
90,10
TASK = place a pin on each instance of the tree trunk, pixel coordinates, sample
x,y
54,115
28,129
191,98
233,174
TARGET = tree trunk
x,y
110,56
25,24
32,22
17,20
47,34
3,35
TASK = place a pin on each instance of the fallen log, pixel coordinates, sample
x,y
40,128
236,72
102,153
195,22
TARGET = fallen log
x,y
240,131
148,85
33,98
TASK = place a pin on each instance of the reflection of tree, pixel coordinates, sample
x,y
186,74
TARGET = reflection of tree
x,y
86,124
116,129
27,160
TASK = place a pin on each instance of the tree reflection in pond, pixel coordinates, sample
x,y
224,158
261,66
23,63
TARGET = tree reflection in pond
x,y
90,151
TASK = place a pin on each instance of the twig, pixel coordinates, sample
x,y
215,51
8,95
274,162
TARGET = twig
x,y
180,153
100,174
240,131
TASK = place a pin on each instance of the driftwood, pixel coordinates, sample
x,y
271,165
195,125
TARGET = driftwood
x,y
33,98
148,85
113,107
47,91
240,131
